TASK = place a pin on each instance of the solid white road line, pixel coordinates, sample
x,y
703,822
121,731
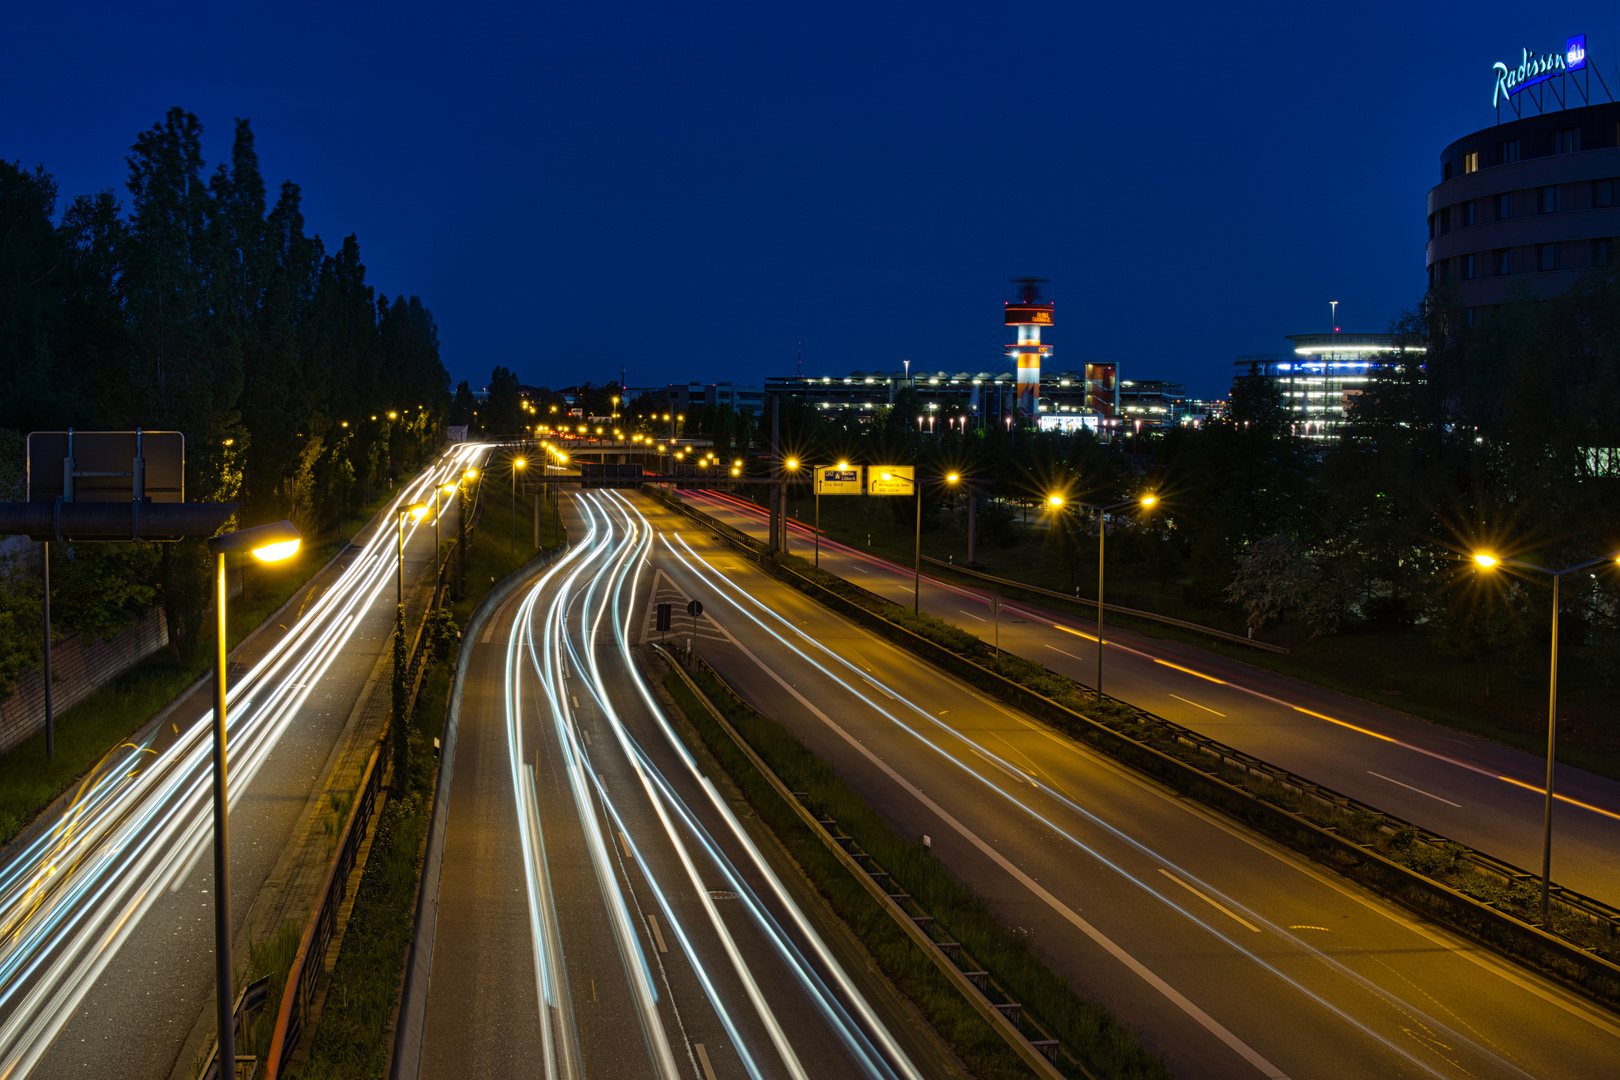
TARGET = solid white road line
x,y
1409,787
1195,705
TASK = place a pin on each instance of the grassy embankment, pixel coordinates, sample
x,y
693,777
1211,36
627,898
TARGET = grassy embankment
x,y
354,1034
1090,1032
1395,666
86,732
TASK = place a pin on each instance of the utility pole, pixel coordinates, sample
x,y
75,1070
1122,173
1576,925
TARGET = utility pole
x,y
776,474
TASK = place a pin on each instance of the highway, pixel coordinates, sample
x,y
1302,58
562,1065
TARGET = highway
x,y
1230,955
1470,789
604,909
107,908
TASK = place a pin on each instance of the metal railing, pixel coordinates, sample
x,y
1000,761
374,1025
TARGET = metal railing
x,y
249,1004
1553,952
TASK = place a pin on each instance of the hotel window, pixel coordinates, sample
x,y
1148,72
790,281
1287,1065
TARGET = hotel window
x,y
1465,214
1507,152
1467,268
1546,256
1504,206
1567,141
1504,261
1471,162
1603,193
1549,200
1603,252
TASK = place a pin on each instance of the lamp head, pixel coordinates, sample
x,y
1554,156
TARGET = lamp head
x,y
519,463
952,478
281,549
417,510
1149,500
792,463
1054,501
1487,561
843,464
268,543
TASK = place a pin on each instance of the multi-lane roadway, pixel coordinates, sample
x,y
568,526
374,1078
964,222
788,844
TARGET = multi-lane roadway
x,y
603,908
1475,791
106,962
1232,957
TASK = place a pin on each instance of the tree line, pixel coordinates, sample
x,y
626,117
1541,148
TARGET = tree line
x,y
199,306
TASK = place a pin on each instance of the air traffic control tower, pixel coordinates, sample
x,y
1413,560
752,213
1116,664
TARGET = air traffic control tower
x,y
1029,313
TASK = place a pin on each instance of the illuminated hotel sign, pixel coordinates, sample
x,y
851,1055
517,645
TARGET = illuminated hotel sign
x,y
1534,69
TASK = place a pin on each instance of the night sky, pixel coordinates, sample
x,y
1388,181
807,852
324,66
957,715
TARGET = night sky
x,y
691,191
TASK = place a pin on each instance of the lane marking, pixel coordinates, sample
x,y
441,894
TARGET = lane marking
x,y
1210,900
1409,787
1189,671
1065,652
1141,970
703,1059
658,935
624,842
1195,705
587,735
970,615
1301,926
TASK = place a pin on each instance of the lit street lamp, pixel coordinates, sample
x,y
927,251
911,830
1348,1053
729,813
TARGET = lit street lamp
x,y
792,466
511,532
1490,562
417,511
268,543
1146,501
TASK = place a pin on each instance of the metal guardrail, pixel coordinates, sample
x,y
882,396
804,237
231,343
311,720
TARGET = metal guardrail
x,y
1134,613
306,966
249,1004
1004,1017
1550,952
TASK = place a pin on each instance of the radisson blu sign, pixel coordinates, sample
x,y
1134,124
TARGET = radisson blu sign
x,y
1534,69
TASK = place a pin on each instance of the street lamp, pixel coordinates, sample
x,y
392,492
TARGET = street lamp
x,y
916,557
417,511
1487,561
447,489
511,532
1146,501
268,543
791,465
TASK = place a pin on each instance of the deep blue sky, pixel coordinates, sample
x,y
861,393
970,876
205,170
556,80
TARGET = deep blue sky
x,y
693,190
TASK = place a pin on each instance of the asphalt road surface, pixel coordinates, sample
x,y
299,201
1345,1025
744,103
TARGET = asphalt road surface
x,y
1470,789
604,910
108,953
1230,955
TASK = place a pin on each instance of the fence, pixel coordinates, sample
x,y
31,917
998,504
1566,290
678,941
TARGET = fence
x,y
1576,962
249,1004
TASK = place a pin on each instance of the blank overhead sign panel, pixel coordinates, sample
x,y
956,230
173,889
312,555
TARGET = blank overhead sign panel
x,y
106,466
892,480
831,480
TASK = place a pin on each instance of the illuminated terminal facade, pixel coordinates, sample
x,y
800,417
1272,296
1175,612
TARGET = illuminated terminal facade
x,y
1088,397
1323,374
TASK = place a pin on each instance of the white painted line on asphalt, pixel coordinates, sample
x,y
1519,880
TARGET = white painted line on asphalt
x,y
658,935
489,632
970,615
1210,900
587,735
624,842
1409,787
1195,705
1065,652
1202,1018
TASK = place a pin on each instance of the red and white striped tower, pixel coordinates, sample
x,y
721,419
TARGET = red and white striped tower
x,y
1029,313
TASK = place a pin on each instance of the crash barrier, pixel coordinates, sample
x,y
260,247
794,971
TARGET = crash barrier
x,y
1580,948
249,1004
987,997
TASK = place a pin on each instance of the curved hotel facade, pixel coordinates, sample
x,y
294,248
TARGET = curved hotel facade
x,y
1524,208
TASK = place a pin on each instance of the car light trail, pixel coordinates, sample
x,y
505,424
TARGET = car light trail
x,y
137,826
745,602
598,577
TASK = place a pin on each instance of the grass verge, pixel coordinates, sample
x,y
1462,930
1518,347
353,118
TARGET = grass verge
x,y
91,729
1106,1047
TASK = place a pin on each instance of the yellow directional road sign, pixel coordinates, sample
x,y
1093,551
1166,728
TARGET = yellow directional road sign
x,y
892,480
831,480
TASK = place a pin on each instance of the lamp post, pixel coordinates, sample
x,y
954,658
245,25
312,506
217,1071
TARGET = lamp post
x,y
792,466
417,511
268,543
1056,501
447,489
1490,562
511,532
916,555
